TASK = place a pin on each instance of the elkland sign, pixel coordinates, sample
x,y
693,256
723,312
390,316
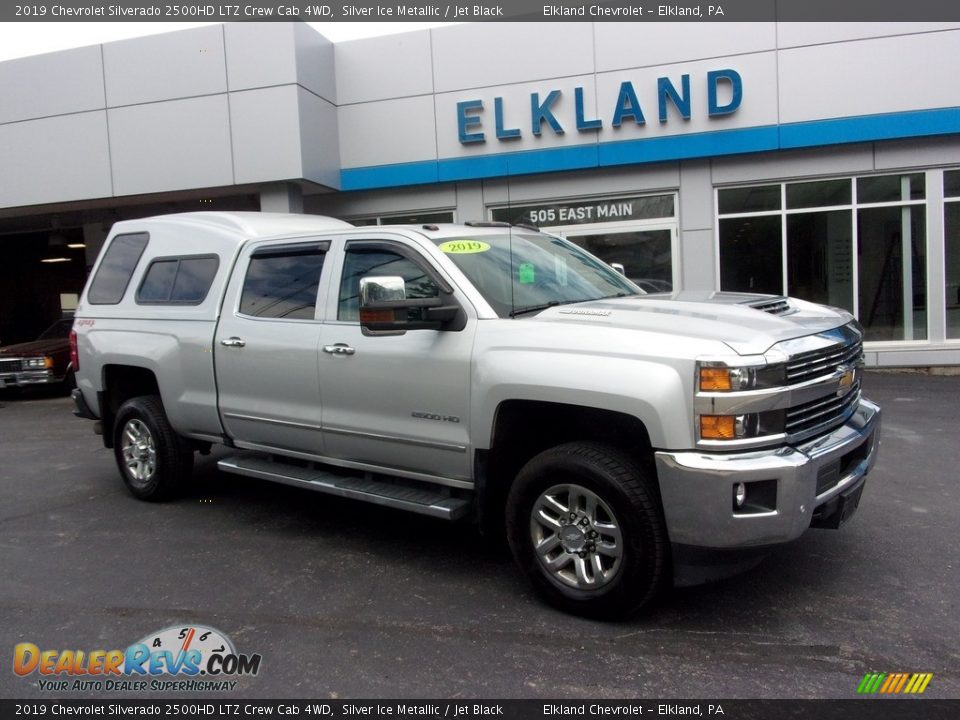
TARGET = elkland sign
x,y
724,95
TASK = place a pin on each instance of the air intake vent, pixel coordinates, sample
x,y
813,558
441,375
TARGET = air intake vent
x,y
774,306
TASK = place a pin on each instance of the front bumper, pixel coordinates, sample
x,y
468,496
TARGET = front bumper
x,y
697,488
28,377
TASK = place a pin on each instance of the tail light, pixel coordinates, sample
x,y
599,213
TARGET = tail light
x,y
74,355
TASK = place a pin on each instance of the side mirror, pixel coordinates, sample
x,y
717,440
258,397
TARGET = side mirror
x,y
619,268
384,307
381,289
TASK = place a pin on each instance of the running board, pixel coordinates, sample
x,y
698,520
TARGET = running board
x,y
425,502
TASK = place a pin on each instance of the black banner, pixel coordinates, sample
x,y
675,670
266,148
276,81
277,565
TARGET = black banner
x,y
873,709
482,11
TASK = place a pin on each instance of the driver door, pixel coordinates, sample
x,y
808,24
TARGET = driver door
x,y
397,399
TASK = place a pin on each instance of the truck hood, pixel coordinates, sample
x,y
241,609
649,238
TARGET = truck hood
x,y
35,347
748,324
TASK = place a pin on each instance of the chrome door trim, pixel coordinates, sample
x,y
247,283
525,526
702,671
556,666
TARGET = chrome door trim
x,y
394,438
272,421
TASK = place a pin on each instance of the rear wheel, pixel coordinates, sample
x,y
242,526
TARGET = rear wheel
x,y
585,525
153,460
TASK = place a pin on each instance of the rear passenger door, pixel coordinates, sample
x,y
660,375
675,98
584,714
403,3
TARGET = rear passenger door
x,y
266,347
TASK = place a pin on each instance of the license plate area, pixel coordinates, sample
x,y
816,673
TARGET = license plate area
x,y
838,510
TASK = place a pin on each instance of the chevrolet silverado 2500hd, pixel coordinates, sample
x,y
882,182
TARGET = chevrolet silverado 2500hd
x,y
623,441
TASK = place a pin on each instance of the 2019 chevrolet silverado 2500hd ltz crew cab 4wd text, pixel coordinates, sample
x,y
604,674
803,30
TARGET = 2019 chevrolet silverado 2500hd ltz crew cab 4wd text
x,y
623,441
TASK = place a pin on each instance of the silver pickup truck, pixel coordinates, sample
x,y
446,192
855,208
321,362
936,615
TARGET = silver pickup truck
x,y
622,441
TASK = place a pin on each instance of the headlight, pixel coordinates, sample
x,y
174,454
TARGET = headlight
x,y
718,380
720,377
38,363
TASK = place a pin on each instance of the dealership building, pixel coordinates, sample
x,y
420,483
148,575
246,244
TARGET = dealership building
x,y
820,160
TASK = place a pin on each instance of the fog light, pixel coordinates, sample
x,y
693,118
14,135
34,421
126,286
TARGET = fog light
x,y
739,494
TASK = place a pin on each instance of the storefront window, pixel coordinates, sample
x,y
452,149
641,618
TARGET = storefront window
x,y
635,232
892,272
751,255
819,257
951,237
855,243
411,219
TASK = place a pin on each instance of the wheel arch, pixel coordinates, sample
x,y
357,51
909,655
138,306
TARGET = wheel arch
x,y
523,429
120,383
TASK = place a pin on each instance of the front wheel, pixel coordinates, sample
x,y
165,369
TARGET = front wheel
x,y
153,460
585,525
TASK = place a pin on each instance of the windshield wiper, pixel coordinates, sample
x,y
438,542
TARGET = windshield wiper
x,y
533,308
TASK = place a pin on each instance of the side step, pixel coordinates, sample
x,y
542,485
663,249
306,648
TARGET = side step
x,y
425,502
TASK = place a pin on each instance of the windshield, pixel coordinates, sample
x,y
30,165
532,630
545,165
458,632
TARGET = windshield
x,y
60,329
523,272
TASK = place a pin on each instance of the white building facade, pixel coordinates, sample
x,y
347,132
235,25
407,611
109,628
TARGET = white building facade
x,y
812,159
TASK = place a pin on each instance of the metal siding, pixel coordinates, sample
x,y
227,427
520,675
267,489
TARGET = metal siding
x,y
315,62
319,145
621,45
266,134
173,145
391,131
795,34
165,67
363,76
52,84
477,55
58,158
867,77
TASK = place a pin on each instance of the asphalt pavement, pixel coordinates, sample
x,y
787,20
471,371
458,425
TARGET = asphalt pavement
x,y
347,600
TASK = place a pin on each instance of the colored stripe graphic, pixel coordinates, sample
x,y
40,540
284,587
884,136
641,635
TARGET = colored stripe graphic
x,y
894,683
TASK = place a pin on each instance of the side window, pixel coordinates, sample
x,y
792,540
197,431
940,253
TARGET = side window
x,y
282,283
361,262
178,281
116,269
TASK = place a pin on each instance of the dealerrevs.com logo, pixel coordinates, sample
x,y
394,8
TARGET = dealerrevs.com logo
x,y
178,658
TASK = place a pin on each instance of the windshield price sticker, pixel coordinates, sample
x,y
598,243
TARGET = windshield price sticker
x,y
463,247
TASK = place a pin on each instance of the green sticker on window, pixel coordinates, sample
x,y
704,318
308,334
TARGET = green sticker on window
x,y
528,274
463,247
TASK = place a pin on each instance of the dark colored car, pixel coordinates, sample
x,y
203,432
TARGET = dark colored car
x,y
44,361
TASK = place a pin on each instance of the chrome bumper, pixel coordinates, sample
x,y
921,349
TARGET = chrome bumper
x,y
697,488
28,377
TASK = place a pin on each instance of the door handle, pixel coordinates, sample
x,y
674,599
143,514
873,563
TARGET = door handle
x,y
232,342
339,349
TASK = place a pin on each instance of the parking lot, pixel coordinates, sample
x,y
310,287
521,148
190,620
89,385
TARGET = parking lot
x,y
347,600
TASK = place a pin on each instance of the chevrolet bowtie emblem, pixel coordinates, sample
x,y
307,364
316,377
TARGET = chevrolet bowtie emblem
x,y
846,380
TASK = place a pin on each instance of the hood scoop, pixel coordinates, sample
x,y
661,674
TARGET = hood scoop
x,y
773,306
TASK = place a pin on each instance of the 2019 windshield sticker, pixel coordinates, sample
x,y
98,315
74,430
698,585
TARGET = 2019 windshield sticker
x,y
463,247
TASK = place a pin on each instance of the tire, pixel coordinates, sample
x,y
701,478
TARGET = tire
x,y
153,460
586,527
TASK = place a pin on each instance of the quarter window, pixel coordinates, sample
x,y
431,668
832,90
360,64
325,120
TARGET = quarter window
x,y
110,283
178,281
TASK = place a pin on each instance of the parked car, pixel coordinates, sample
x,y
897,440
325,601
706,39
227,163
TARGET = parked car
x,y
44,361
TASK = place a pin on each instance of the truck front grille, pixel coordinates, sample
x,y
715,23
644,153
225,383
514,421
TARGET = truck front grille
x,y
822,413
11,365
817,363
